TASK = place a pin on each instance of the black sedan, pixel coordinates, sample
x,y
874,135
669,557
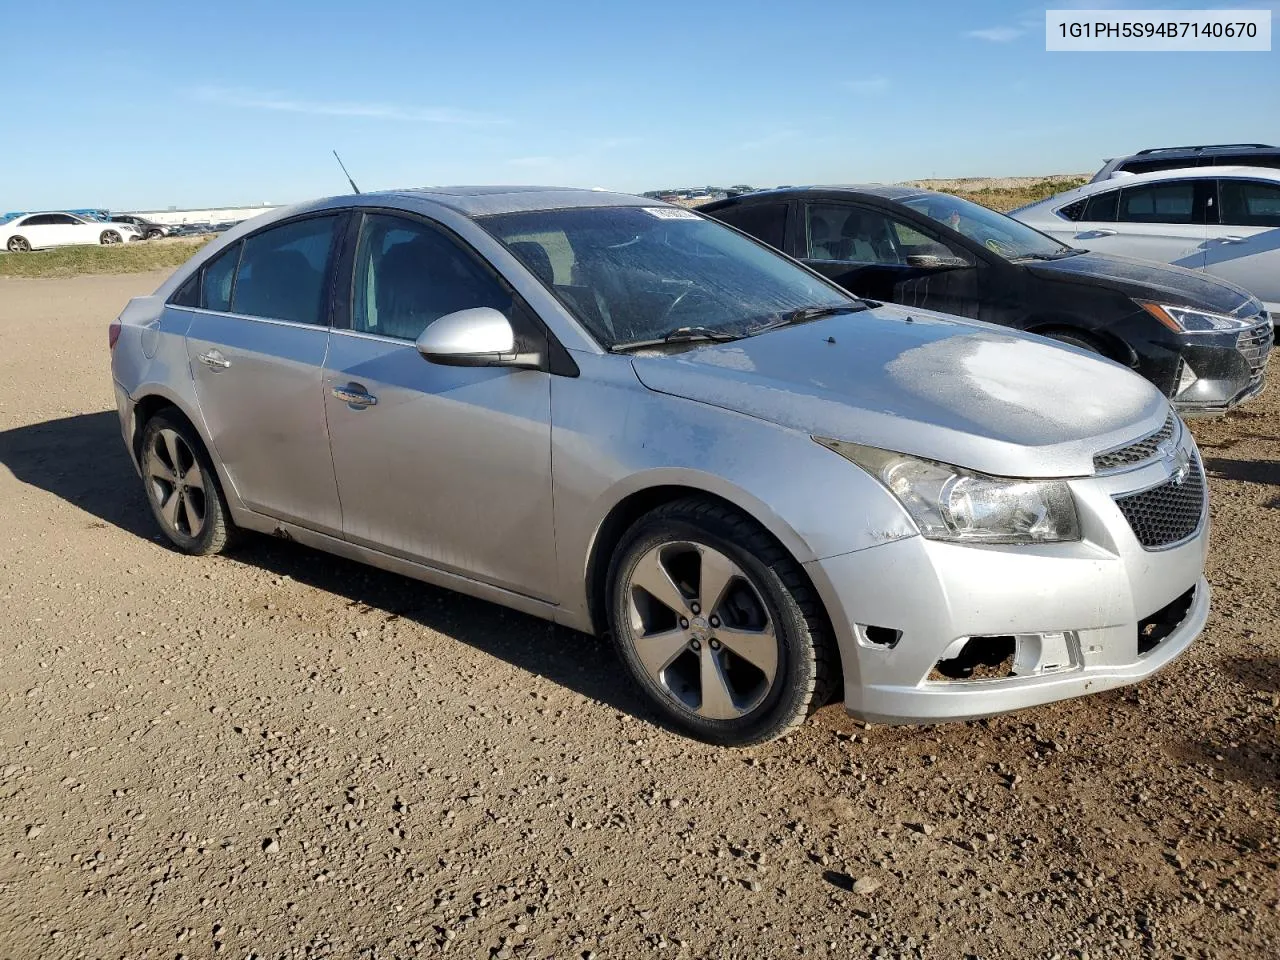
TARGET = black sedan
x,y
149,229
1203,341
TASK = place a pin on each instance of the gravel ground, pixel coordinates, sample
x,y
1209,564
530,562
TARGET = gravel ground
x,y
281,754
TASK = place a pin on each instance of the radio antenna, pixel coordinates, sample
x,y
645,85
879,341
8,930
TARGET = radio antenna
x,y
354,188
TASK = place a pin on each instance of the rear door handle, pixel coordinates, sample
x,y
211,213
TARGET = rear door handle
x,y
1232,239
355,395
1103,232
214,360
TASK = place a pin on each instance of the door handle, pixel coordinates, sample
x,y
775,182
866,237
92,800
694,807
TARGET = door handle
x,y
1232,239
214,360
1103,232
354,395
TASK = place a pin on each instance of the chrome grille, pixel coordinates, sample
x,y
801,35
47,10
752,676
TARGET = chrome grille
x,y
1254,345
1137,452
1169,513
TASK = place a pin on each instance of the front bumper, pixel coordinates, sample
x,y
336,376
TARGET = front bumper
x,y
1229,368
1075,609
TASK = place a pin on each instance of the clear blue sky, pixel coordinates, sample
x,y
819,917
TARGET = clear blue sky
x,y
139,104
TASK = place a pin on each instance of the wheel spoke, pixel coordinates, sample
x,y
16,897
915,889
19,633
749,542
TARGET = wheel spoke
x,y
717,700
192,517
159,469
652,577
758,647
169,508
172,446
193,478
717,572
657,650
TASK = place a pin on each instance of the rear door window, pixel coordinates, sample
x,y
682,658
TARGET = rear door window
x,y
283,271
1101,207
767,222
1249,203
219,275
1170,202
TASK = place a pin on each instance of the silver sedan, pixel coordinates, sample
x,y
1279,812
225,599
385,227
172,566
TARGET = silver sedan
x,y
628,419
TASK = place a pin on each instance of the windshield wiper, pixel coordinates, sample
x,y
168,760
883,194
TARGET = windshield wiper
x,y
806,314
679,335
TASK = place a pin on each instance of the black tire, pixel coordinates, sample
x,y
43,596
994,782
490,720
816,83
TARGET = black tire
x,y
154,234
1073,339
19,245
807,664
109,237
216,531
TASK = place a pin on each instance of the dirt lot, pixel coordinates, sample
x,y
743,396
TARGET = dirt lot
x,y
280,754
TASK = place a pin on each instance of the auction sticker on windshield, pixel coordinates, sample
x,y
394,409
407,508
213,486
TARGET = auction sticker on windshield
x,y
670,213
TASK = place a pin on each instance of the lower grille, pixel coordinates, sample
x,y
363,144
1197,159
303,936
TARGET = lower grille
x,y
1160,625
1168,513
1255,346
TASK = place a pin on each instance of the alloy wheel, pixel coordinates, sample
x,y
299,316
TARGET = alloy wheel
x,y
18,245
701,630
110,236
176,483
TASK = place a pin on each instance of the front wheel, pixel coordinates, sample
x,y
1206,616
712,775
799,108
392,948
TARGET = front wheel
x,y
154,234
18,245
718,625
1073,340
182,487
109,237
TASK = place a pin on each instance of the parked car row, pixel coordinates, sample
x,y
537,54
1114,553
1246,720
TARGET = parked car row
x,y
39,231
628,418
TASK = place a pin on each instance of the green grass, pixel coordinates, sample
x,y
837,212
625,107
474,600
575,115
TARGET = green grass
x,y
136,257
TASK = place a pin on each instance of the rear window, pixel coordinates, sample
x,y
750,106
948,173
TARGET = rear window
x,y
765,221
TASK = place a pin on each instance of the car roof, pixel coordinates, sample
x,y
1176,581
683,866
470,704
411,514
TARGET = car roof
x,y
885,191
1059,200
479,201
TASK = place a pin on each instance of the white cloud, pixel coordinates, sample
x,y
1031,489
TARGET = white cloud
x,y
284,103
868,86
996,34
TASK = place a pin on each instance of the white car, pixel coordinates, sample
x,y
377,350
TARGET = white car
x,y
36,231
1222,220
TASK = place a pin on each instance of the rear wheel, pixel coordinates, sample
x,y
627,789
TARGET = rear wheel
x,y
154,234
182,487
18,245
718,625
109,237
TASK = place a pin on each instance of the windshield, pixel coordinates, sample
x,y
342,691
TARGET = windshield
x,y
1000,234
632,274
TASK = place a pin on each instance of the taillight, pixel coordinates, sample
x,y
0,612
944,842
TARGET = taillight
x,y
113,334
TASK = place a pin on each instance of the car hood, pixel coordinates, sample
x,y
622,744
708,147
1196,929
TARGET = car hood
x,y
1145,280
960,392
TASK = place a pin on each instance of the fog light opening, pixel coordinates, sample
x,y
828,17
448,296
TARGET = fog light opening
x,y
979,658
1186,377
886,638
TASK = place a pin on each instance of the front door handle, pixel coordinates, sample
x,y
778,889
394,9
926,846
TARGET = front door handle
x,y
1232,239
355,396
214,360
1090,234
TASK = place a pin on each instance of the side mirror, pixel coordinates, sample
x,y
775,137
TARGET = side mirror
x,y
477,337
929,261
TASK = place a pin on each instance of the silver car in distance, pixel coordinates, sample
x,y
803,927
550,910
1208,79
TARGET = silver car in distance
x,y
626,418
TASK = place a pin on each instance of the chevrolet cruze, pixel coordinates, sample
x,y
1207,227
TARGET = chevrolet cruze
x,y
626,418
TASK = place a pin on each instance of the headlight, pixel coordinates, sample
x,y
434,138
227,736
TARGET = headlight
x,y
950,503
1190,320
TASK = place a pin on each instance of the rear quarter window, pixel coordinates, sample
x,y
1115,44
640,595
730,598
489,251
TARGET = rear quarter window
x,y
766,222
